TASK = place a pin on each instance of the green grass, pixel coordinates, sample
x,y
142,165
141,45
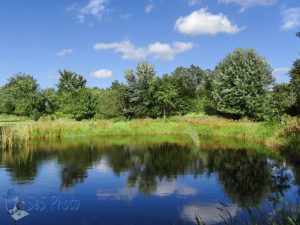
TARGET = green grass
x,y
16,130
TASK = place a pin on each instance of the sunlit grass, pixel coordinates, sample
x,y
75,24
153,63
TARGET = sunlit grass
x,y
15,131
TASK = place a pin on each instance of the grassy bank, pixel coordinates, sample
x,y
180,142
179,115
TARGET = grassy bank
x,y
19,131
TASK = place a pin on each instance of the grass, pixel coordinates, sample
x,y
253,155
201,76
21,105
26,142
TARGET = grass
x,y
17,131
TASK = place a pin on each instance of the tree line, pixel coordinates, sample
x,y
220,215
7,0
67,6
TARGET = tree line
x,y
240,86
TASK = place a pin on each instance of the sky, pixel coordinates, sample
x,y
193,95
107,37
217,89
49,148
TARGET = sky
x,y
100,39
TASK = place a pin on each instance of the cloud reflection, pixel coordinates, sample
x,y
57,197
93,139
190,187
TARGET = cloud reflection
x,y
163,189
207,211
166,188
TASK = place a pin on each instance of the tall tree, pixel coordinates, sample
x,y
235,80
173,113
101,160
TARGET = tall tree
x,y
188,82
166,95
295,85
243,80
140,91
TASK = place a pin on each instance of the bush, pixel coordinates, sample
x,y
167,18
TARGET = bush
x,y
59,115
291,126
35,115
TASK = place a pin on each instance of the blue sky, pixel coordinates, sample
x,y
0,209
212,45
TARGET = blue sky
x,y
101,38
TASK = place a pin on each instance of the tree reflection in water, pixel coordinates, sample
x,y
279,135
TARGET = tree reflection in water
x,y
245,176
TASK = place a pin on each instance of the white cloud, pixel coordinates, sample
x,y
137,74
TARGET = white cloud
x,y
64,52
248,3
128,50
194,2
149,8
94,8
166,51
281,74
203,22
291,18
102,74
156,50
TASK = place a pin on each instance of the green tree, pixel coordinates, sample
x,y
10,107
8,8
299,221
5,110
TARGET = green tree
x,y
295,85
84,105
7,105
282,99
70,81
19,95
140,91
74,97
242,82
47,101
165,95
205,102
109,102
187,81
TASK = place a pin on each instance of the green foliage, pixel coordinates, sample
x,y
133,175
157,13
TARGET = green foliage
x,y
282,98
166,95
74,97
239,87
139,101
70,81
242,83
35,115
189,82
47,101
83,107
295,85
109,102
19,95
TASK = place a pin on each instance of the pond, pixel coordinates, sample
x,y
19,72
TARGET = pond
x,y
136,181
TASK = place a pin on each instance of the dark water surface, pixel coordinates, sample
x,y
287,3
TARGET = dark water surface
x,y
134,183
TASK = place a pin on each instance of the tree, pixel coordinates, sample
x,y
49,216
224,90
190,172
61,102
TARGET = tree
x,y
70,81
282,99
47,101
109,102
187,81
140,91
19,95
295,86
165,95
243,80
6,101
84,105
74,97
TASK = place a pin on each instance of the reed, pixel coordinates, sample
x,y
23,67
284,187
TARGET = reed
x,y
16,134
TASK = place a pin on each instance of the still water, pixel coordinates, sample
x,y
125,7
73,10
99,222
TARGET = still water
x,y
132,182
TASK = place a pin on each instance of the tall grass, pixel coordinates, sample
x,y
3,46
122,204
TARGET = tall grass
x,y
14,134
